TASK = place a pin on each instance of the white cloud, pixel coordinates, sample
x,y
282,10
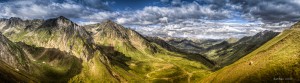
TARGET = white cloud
x,y
163,19
164,0
176,2
206,29
146,16
155,14
100,16
31,10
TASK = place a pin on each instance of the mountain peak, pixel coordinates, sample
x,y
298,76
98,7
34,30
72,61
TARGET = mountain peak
x,y
109,22
62,17
15,19
60,21
114,26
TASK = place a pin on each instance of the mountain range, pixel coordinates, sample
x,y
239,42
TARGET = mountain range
x,y
59,50
220,52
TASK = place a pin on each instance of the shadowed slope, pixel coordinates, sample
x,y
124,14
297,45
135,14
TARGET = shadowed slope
x,y
11,75
14,62
24,63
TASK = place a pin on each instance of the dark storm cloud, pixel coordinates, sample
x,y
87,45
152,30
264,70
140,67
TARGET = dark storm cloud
x,y
155,14
97,4
216,4
207,16
98,10
270,11
267,11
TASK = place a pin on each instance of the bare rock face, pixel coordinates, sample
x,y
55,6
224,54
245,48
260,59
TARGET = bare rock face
x,y
12,54
14,22
63,34
117,34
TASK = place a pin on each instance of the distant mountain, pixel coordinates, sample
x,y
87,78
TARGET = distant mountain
x,y
164,44
186,45
189,55
17,25
275,61
221,52
62,51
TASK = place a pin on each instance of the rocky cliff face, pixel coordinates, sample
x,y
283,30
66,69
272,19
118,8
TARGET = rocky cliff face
x,y
13,55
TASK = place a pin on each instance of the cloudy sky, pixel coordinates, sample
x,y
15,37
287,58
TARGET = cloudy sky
x,y
217,19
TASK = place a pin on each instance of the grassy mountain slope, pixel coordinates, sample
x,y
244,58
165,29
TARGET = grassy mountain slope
x,y
64,35
275,61
220,52
51,64
25,63
147,60
10,74
226,53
